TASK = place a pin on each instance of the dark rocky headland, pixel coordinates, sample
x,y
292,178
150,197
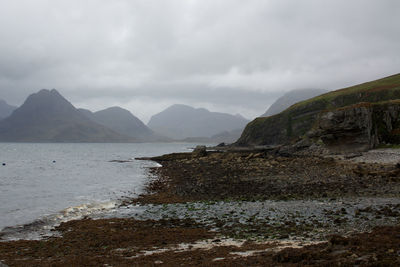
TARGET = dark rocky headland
x,y
316,185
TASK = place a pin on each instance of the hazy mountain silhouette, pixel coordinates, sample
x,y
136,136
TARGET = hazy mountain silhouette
x,y
121,121
290,98
5,109
47,116
181,121
227,137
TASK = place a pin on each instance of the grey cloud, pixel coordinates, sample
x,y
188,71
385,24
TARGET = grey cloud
x,y
223,54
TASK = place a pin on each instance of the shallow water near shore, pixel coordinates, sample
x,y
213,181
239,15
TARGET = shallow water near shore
x,y
45,184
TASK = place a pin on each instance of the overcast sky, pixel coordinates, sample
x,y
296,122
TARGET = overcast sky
x,y
232,56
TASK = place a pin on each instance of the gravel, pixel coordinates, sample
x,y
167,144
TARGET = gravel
x,y
385,156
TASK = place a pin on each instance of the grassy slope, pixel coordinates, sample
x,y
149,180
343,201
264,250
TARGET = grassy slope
x,y
299,118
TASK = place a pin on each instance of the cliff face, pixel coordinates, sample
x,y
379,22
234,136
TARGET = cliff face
x,y
303,117
358,127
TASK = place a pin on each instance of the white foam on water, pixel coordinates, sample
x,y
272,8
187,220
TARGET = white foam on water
x,y
79,212
44,227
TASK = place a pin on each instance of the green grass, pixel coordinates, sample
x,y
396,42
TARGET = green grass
x,y
390,83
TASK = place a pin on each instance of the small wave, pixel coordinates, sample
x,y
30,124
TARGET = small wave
x,y
83,210
44,227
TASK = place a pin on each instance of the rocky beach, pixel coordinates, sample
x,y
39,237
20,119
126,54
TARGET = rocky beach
x,y
230,207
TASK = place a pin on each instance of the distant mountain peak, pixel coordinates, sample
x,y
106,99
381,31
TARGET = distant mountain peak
x,y
47,101
120,120
48,91
116,108
181,121
240,116
290,98
180,107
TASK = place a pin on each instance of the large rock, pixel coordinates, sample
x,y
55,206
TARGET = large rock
x,y
200,151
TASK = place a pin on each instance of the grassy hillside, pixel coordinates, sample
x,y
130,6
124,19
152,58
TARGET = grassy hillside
x,y
300,118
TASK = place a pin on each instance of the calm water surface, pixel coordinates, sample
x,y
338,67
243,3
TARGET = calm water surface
x,y
70,180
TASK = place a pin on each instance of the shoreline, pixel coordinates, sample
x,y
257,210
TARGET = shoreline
x,y
210,209
260,175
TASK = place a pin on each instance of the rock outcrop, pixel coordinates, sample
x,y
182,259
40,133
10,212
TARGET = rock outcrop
x,y
359,127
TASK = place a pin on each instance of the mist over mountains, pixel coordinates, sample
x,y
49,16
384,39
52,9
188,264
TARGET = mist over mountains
x,y
182,121
47,116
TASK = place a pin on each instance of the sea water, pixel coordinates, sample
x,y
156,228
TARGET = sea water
x,y
41,184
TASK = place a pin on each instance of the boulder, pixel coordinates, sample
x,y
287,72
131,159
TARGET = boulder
x,y
200,151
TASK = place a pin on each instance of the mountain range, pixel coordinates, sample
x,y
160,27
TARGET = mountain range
x,y
182,121
47,116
